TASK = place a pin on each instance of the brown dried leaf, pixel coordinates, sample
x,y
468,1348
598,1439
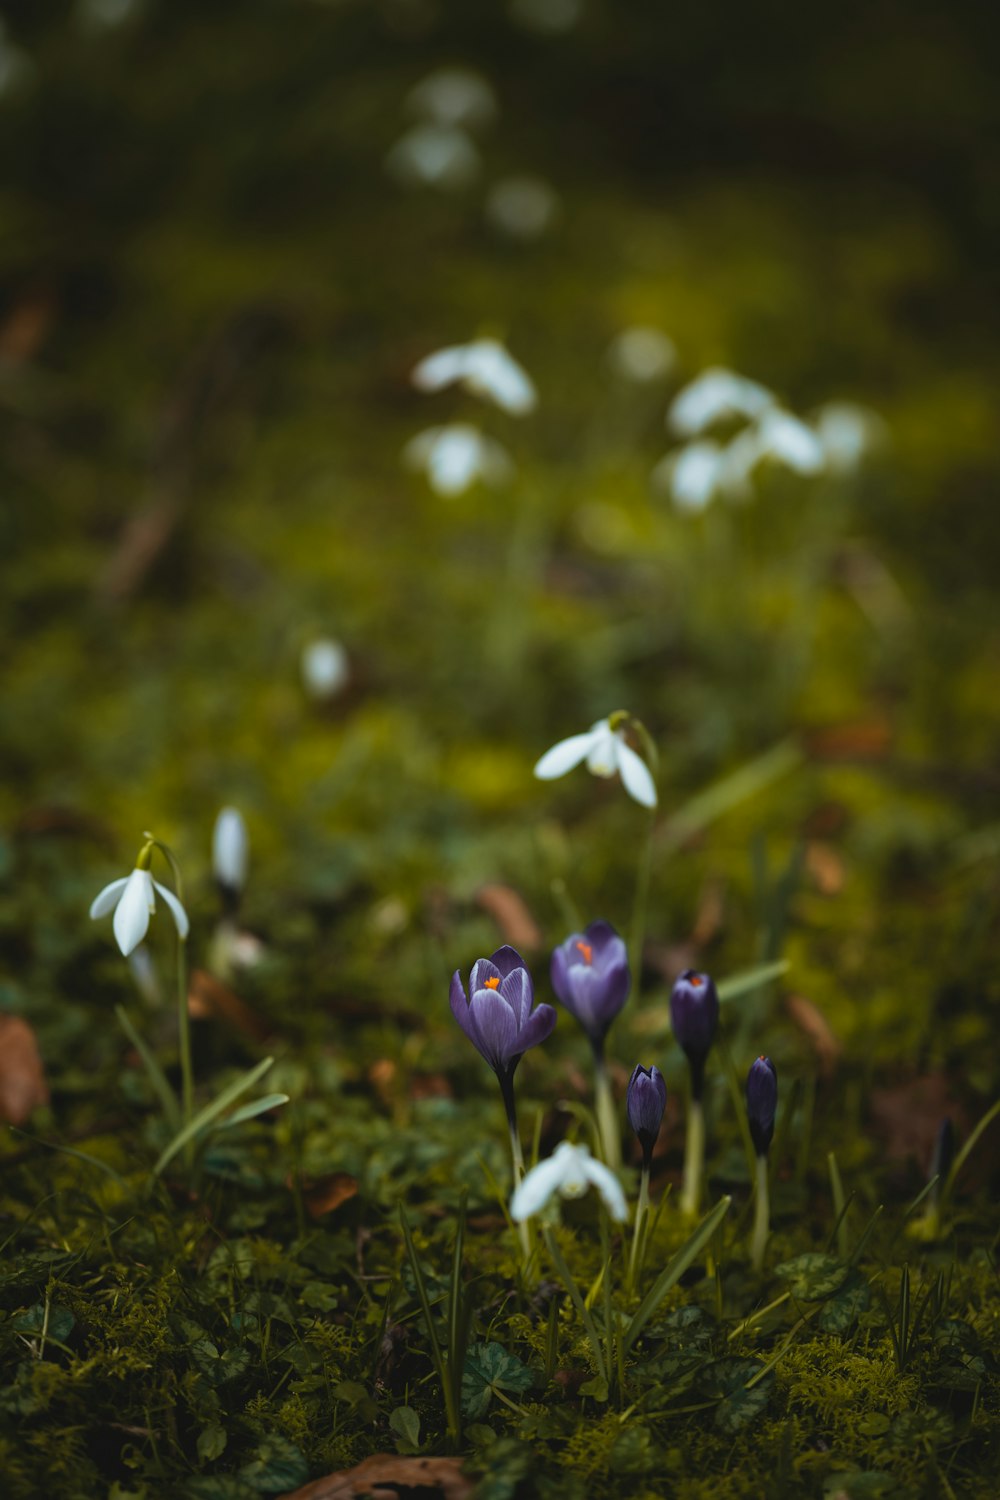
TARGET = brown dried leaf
x,y
826,867
870,739
25,327
812,1021
22,1076
510,912
387,1476
209,997
328,1193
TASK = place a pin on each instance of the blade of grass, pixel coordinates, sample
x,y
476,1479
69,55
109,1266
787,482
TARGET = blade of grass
x,y
157,1077
211,1112
673,1271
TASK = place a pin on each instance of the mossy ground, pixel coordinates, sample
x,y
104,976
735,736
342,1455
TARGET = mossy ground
x,y
212,297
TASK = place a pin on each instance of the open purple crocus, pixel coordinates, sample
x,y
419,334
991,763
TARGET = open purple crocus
x,y
590,975
497,1015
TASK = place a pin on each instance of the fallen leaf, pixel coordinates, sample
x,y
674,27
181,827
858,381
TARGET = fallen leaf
x,y
826,868
325,1194
22,1076
869,739
25,327
510,912
811,1020
387,1476
209,997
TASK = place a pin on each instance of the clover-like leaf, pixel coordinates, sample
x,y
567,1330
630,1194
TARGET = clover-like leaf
x,y
488,1369
813,1276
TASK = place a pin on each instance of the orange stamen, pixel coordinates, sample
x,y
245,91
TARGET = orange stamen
x,y
492,984
587,951
695,981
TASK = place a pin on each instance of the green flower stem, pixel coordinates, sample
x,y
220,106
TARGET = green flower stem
x,y
762,1216
565,1276
639,1234
517,1158
184,1039
607,1115
694,1160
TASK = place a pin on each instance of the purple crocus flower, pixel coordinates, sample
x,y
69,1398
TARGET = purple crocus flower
x,y
498,1018
645,1102
590,975
694,1015
762,1101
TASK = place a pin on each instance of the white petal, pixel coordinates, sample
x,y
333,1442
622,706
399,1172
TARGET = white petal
x,y
603,757
739,459
179,914
325,668
230,848
789,441
132,912
492,372
440,369
636,776
107,899
695,474
564,756
439,156
609,1187
453,96
536,1189
454,461
714,395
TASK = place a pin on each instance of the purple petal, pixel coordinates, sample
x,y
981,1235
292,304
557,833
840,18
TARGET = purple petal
x,y
516,988
482,969
559,967
537,1028
607,946
460,1005
494,1028
506,960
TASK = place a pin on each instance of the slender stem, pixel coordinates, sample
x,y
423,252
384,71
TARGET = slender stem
x,y
609,1325
641,902
607,1116
639,1234
184,1039
694,1160
762,1216
517,1157
565,1276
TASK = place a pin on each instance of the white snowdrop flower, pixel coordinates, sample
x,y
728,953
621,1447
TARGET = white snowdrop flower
x,y
568,1172
454,96
523,208
642,355
691,475
789,441
455,456
714,395
485,369
847,433
550,17
606,752
230,849
438,156
325,668
144,973
133,901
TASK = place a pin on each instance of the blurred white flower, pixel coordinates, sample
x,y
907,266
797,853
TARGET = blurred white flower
x,y
453,96
438,156
230,849
607,753
714,395
133,900
848,432
325,667
551,17
455,456
642,354
568,1172
523,208
691,475
789,441
144,973
485,369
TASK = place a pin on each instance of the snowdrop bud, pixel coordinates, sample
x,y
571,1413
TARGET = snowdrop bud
x,y
325,668
523,208
230,850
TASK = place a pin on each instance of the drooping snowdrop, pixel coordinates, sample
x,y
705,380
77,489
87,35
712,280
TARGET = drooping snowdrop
x,y
523,207
325,668
133,901
848,433
691,475
455,456
437,156
454,96
230,851
483,368
607,753
789,441
569,1172
715,395
642,355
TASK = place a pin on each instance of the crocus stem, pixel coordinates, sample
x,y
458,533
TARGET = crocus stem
x,y
607,1117
184,1040
642,1209
694,1159
762,1216
641,902
517,1157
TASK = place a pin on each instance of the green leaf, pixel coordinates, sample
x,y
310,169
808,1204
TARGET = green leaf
x,y
596,1387
846,1305
489,1368
740,1402
813,1276
211,1442
405,1423
211,1112
278,1466
252,1110
673,1271
58,1326
922,1428
503,1465
859,1484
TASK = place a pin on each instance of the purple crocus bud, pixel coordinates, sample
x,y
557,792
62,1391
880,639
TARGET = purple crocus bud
x,y
497,1015
645,1102
694,1016
762,1101
590,975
